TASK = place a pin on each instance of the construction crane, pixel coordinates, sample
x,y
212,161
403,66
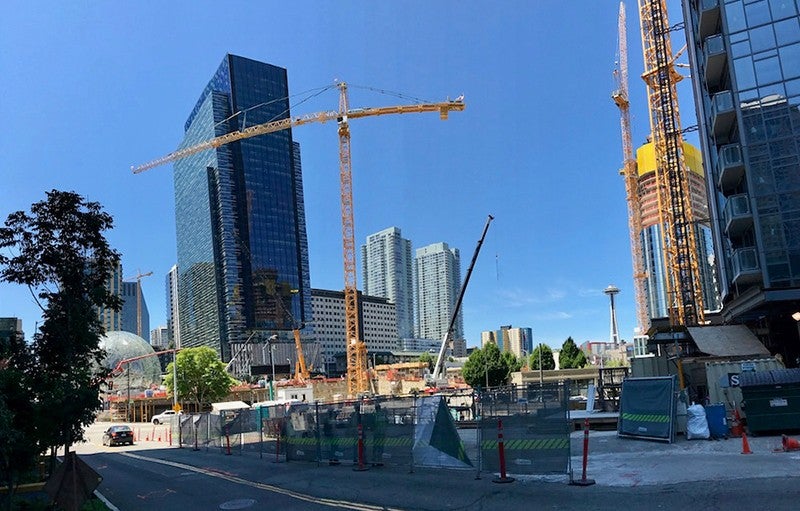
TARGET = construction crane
x,y
301,372
357,379
682,282
139,276
630,174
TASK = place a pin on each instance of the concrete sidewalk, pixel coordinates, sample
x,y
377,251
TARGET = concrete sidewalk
x,y
615,461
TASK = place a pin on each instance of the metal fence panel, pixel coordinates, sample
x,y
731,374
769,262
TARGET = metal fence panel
x,y
535,429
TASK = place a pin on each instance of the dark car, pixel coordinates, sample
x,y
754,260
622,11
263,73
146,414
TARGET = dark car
x,y
118,435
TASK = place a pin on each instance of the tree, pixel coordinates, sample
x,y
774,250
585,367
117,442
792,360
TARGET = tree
x,y
60,252
512,363
548,362
571,357
485,367
201,376
428,359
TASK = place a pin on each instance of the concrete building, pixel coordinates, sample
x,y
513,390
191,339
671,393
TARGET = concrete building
x,y
387,271
376,319
239,214
745,59
437,275
10,327
173,312
652,246
516,340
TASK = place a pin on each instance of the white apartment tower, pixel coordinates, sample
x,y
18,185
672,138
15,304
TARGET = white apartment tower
x,y
437,273
386,271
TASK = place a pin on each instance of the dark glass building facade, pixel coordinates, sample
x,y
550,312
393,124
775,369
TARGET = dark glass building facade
x,y
239,213
745,57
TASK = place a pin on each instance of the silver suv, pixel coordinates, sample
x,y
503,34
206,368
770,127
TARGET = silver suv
x,y
163,417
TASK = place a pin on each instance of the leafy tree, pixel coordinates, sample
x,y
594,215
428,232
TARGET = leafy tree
x,y
201,376
428,359
547,357
512,363
60,252
485,367
571,357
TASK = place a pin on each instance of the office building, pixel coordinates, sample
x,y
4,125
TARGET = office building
x,y
377,323
159,338
241,241
173,312
386,271
437,274
10,327
111,319
652,245
135,317
745,59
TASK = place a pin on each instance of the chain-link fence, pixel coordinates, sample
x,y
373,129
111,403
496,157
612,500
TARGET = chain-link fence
x,y
453,431
534,423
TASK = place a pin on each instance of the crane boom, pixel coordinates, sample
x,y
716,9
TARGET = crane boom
x,y
630,174
684,296
355,347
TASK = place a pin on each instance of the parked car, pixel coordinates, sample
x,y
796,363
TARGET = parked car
x,y
163,417
118,435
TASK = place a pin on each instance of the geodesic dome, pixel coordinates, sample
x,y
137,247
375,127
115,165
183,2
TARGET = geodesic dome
x,y
144,372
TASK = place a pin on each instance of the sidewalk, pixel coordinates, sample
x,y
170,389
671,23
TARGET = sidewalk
x,y
615,461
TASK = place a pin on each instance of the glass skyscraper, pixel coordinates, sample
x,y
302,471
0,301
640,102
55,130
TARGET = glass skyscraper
x,y
135,316
745,57
386,271
239,214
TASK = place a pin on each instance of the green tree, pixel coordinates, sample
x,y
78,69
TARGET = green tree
x,y
547,357
428,359
60,252
201,376
512,363
571,357
485,367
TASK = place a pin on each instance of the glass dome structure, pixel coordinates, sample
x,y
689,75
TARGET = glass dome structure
x,y
144,373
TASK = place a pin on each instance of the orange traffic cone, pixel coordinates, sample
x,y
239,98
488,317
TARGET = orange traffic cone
x,y
789,444
745,444
736,424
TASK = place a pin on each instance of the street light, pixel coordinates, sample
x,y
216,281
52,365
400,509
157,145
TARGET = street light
x,y
271,342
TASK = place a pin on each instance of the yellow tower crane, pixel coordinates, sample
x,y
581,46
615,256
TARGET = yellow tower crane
x,y
630,174
682,282
357,379
138,278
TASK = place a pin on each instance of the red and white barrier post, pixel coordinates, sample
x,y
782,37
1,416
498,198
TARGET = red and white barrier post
x,y
501,451
583,481
361,466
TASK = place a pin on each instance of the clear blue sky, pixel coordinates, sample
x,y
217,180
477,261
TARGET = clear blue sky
x,y
91,88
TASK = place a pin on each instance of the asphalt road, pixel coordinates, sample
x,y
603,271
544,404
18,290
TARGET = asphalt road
x,y
152,475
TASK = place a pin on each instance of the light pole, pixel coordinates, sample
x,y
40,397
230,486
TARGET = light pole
x,y
175,380
272,339
289,360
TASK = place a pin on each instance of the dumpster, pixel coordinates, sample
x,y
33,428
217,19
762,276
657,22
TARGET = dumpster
x,y
771,399
717,421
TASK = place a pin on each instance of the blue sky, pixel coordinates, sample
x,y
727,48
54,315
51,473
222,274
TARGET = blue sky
x,y
91,88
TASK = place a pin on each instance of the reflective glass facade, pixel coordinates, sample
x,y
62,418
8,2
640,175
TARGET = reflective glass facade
x,y
239,213
745,56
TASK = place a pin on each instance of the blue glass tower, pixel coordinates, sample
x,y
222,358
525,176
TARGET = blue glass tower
x,y
239,214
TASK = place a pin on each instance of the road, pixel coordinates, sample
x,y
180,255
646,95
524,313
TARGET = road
x,y
153,475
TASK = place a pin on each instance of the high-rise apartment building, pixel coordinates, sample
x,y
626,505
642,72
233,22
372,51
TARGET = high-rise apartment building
x,y
135,317
387,271
159,337
437,274
516,340
745,58
239,214
173,314
377,322
652,246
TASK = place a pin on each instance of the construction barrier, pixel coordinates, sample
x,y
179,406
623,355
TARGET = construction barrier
x,y
536,429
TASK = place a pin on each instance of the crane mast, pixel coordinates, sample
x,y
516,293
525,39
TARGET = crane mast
x,y
683,291
357,380
630,174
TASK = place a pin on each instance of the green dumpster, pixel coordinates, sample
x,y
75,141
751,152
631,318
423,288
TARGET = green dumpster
x,y
771,399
